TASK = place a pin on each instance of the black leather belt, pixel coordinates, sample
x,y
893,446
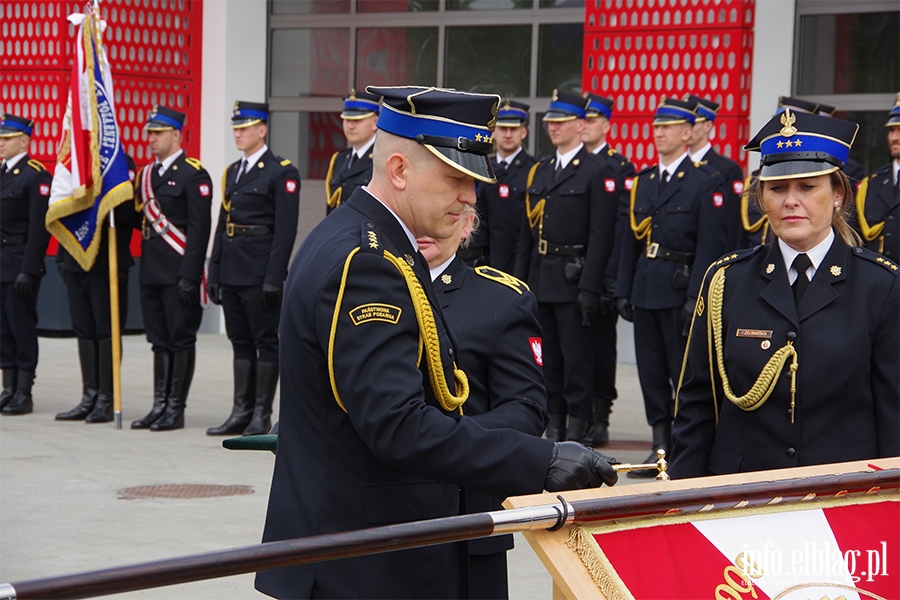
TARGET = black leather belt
x,y
232,230
654,250
470,253
545,247
148,232
12,240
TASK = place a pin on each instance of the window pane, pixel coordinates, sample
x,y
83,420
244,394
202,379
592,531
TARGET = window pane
x,y
870,147
303,7
849,53
373,6
562,4
559,61
488,4
396,56
494,60
309,62
308,139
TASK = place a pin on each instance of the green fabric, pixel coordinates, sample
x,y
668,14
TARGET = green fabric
x,y
252,442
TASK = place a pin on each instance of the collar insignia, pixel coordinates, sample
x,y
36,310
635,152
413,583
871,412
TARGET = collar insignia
x,y
447,279
409,260
770,267
835,270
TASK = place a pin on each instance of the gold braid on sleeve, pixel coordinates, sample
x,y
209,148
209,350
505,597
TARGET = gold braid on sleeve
x,y
332,199
869,232
768,378
428,336
641,230
535,214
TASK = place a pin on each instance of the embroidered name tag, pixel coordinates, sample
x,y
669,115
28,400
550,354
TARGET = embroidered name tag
x,y
376,312
755,333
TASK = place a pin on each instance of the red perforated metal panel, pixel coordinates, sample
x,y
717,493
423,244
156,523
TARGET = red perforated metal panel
x,y
637,51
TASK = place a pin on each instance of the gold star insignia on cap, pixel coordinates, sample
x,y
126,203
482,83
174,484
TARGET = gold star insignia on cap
x,y
477,137
788,144
770,267
835,270
447,279
798,143
780,144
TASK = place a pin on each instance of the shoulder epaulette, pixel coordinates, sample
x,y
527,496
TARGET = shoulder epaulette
x,y
876,258
285,162
611,152
193,162
36,165
701,163
369,238
738,255
504,278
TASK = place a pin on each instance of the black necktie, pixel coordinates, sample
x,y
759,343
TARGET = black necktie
x,y
558,171
353,158
240,172
3,168
800,264
663,179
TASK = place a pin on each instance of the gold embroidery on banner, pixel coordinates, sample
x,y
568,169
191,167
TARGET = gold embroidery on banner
x,y
388,313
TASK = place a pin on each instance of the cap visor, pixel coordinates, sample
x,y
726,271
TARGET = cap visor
x,y
356,115
555,116
796,169
8,133
659,121
510,123
241,123
474,165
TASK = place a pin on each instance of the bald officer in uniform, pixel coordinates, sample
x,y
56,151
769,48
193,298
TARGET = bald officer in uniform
x,y
174,192
878,197
253,244
352,167
370,430
501,205
567,238
598,114
701,150
25,191
678,228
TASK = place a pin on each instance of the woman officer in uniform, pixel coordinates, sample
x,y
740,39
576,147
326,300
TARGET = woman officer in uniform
x,y
794,352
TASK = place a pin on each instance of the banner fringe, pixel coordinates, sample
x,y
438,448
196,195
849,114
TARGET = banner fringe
x,y
599,567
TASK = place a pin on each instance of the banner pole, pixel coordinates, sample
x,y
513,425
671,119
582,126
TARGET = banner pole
x,y
115,329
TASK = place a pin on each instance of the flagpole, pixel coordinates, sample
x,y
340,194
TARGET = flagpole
x,y
115,323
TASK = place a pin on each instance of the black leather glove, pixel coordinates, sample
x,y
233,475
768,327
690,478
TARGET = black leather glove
x,y
689,307
575,467
24,285
271,296
588,302
625,309
608,297
214,292
188,292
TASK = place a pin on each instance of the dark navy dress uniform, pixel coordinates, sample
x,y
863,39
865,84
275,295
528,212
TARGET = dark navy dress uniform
x,y
878,212
845,333
344,177
352,450
253,243
184,194
24,197
494,319
573,220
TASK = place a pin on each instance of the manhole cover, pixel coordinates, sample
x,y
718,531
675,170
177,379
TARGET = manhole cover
x,y
628,445
183,490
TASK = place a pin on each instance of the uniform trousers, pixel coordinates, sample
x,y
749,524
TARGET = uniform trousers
x,y
18,328
487,577
170,325
603,331
89,304
568,358
252,329
659,350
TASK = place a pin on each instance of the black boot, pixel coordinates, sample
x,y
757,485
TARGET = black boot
x,y
576,429
266,382
21,403
182,374
87,356
162,369
242,409
598,434
662,438
556,428
9,386
103,407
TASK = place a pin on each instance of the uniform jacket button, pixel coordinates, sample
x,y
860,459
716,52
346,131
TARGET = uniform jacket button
x,y
791,453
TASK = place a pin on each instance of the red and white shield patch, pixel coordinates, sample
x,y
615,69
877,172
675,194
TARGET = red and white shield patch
x,y
718,200
738,187
537,350
629,183
204,190
44,190
503,190
291,186
610,185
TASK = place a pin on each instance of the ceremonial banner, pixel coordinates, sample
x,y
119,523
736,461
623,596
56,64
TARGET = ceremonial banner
x,y
723,543
91,176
